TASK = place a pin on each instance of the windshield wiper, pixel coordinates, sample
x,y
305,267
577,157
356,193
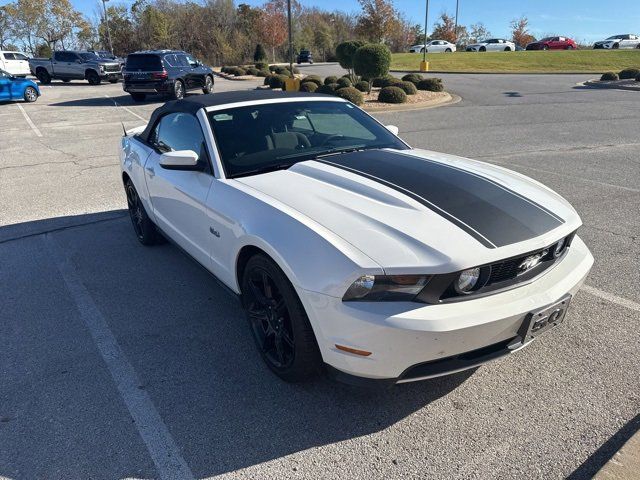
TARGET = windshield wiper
x,y
339,150
270,168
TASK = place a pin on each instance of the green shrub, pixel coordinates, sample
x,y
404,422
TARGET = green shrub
x,y
252,71
372,60
313,78
282,71
412,77
362,85
224,69
431,84
344,82
267,79
277,81
638,78
263,73
259,54
378,81
408,87
609,76
346,51
392,95
237,71
629,73
329,89
308,87
296,70
351,94
272,68
330,79
262,66
390,82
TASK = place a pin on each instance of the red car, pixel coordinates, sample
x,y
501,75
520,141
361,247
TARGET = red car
x,y
553,43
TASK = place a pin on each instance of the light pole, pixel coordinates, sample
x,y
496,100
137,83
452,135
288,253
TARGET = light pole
x,y
455,28
106,19
290,38
424,66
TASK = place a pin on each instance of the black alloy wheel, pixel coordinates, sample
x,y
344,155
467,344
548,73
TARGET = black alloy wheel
x,y
278,322
142,225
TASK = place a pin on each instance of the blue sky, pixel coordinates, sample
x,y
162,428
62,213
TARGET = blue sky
x,y
582,19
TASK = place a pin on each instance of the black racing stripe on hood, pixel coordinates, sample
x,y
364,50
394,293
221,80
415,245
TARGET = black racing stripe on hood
x,y
491,213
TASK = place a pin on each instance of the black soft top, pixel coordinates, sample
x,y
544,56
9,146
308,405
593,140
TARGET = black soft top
x,y
194,103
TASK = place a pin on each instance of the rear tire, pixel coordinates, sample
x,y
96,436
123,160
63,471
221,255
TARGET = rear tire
x,y
93,78
143,227
482,49
507,49
278,321
30,95
569,47
43,76
448,50
616,46
138,97
208,84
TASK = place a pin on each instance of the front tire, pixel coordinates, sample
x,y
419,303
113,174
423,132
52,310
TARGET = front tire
x,y
142,225
30,94
448,50
507,49
483,49
208,84
43,76
278,321
93,78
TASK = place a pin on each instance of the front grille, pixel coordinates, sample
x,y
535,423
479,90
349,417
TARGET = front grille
x,y
112,68
508,269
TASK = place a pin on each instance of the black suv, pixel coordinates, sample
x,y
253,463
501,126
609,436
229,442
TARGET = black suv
x,y
166,72
304,56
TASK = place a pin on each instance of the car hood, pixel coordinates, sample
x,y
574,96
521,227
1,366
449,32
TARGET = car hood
x,y
422,211
24,83
608,41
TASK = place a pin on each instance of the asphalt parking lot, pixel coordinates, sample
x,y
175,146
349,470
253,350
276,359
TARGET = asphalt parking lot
x,y
120,361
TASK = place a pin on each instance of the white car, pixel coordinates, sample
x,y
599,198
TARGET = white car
x,y
434,46
626,40
16,63
492,45
352,252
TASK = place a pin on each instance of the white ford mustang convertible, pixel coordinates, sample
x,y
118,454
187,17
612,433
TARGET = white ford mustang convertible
x,y
351,252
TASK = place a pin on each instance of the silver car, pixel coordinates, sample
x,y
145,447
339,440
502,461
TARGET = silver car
x,y
434,46
492,45
627,40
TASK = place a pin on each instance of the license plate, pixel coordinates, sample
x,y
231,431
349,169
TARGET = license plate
x,y
540,321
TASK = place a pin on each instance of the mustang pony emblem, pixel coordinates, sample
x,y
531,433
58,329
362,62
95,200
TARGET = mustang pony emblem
x,y
531,261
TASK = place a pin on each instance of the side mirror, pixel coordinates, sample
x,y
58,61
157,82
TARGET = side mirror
x,y
180,160
393,129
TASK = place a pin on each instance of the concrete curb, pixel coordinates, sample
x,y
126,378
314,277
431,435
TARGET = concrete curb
x,y
611,85
625,464
492,73
450,99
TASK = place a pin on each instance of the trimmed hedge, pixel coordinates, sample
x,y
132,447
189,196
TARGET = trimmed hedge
x,y
329,88
378,81
344,82
362,85
330,79
638,78
392,95
237,71
609,76
431,85
313,78
262,66
408,87
263,73
412,77
252,71
373,60
277,81
308,87
629,73
345,52
351,94
272,68
390,82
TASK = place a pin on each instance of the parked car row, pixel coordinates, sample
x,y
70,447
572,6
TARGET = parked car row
x,y
615,42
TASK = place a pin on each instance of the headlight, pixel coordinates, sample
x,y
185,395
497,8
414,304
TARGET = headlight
x,y
467,280
385,288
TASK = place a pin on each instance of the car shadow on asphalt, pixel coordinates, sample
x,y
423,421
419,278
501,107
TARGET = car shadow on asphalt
x,y
192,350
104,101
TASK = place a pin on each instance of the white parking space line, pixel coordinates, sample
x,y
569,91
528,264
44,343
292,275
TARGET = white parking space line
x,y
28,119
610,297
155,434
127,109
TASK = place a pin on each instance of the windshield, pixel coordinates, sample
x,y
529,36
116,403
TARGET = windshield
x,y
88,56
546,39
261,138
615,37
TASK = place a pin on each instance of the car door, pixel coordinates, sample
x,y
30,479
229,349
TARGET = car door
x,y
195,71
178,197
22,64
64,64
5,86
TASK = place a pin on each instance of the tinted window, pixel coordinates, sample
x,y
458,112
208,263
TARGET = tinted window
x,y
170,60
179,131
259,137
144,62
182,61
9,56
20,56
87,57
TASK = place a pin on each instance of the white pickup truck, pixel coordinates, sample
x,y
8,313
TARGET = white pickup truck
x,y
73,65
16,63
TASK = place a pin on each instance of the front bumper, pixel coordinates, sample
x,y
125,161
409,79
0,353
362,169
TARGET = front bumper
x,y
111,75
412,341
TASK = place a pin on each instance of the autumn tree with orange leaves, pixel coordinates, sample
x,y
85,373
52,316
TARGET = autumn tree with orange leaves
x,y
520,32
